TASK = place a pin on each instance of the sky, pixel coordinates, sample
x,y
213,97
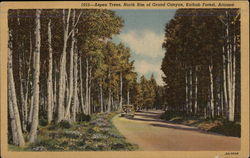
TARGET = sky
x,y
143,33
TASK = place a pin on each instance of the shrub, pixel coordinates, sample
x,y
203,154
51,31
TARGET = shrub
x,y
228,129
169,114
43,143
43,122
72,134
65,124
53,127
83,117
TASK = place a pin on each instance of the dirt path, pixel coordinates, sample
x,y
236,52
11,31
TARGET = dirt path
x,y
150,133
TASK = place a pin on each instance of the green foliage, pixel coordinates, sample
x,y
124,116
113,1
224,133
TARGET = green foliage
x,y
43,122
82,117
168,115
194,40
146,93
228,128
64,124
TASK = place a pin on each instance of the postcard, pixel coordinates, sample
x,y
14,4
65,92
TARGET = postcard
x,y
130,79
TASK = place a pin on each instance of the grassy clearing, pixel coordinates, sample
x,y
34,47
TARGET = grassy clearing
x,y
99,134
216,125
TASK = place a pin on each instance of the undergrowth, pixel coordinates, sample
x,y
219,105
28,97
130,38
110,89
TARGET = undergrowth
x,y
217,125
97,134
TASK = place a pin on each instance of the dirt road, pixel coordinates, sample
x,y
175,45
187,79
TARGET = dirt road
x,y
150,133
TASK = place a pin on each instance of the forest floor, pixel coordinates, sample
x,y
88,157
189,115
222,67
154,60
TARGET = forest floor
x,y
99,134
152,133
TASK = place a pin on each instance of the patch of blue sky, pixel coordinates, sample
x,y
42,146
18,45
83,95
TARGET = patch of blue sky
x,y
143,32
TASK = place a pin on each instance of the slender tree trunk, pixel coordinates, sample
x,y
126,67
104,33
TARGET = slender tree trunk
x,y
112,102
31,110
25,107
109,92
190,90
34,125
32,94
211,90
20,47
196,90
49,84
187,95
21,93
81,86
87,87
89,95
128,97
67,113
233,79
101,98
225,85
75,86
12,118
229,74
62,74
28,86
13,104
120,104
55,90
222,102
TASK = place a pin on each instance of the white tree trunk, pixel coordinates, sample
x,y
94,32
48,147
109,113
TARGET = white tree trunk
x,y
35,119
233,69
87,87
101,98
190,90
31,110
229,74
187,101
225,85
75,87
89,95
120,104
21,93
49,82
13,104
196,90
62,74
128,97
67,113
28,86
222,102
211,90
12,118
81,86
109,92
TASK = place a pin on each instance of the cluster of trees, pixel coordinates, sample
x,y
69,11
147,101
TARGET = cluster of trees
x,y
202,63
147,94
62,63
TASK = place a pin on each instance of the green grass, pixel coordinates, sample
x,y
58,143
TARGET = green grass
x,y
99,134
216,125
